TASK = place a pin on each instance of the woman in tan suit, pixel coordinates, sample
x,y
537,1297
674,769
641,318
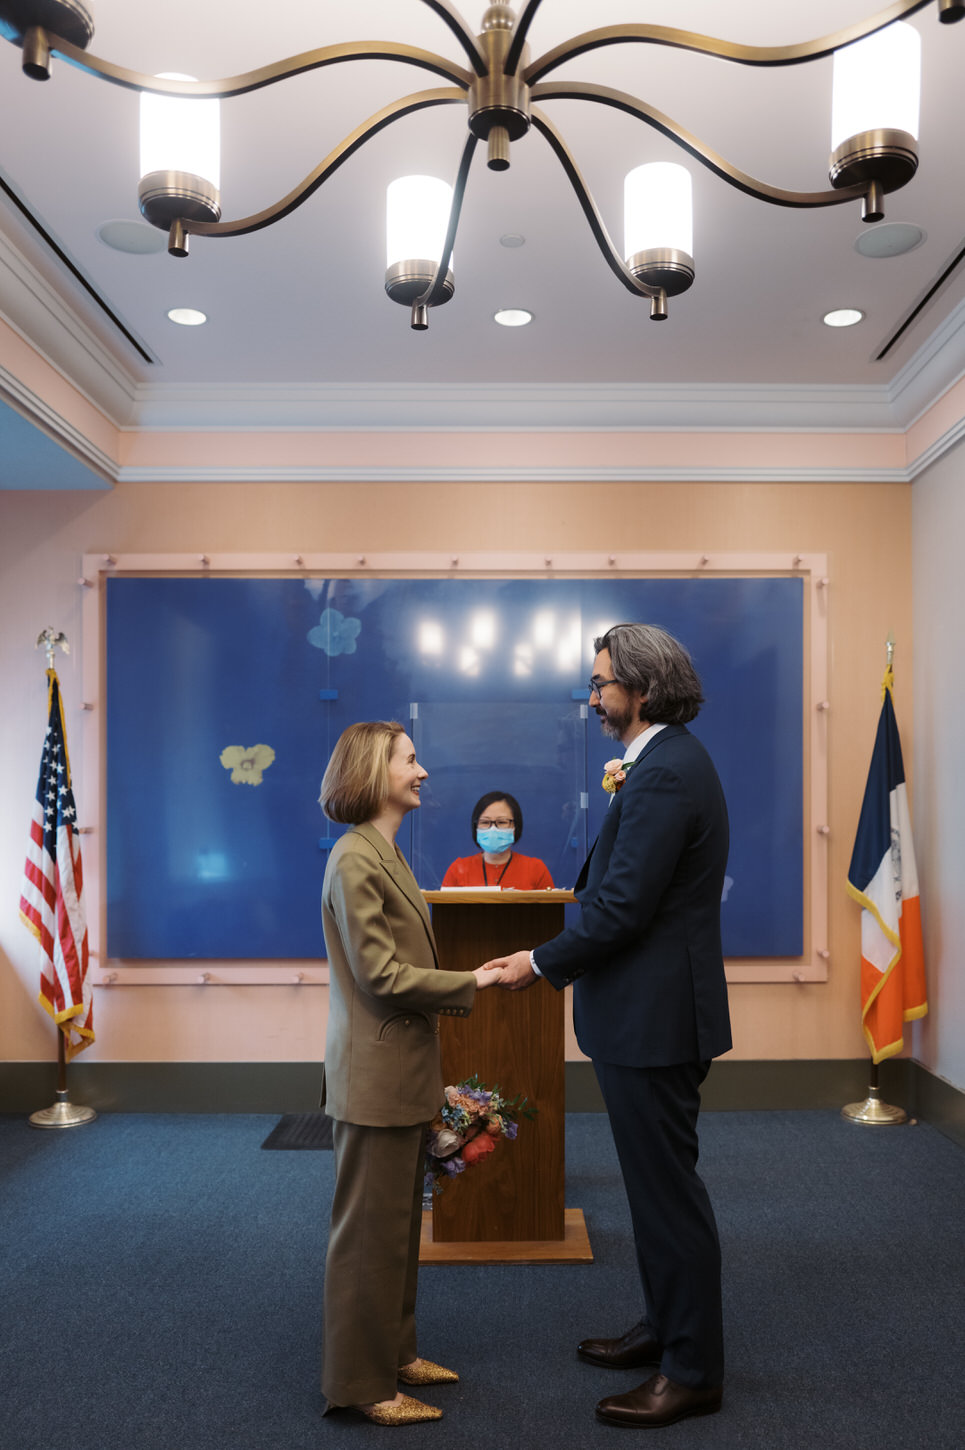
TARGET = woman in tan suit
x,y
382,1078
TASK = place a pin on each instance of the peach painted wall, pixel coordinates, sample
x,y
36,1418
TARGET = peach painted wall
x,y
864,528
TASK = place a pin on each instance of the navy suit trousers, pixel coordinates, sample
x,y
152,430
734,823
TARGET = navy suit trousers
x,y
653,1115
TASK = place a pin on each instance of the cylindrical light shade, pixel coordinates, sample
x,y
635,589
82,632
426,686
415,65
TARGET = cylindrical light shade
x,y
416,217
181,134
876,84
658,209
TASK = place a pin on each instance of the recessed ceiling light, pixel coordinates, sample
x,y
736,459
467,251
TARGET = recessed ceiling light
x,y
512,317
135,237
890,239
842,317
187,316
512,239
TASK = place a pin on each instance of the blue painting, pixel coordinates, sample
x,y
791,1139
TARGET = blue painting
x,y
226,696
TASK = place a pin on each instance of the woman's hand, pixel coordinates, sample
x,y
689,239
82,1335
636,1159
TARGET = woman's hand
x,y
486,976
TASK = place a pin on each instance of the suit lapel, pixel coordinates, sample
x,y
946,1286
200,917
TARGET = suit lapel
x,y
395,864
668,732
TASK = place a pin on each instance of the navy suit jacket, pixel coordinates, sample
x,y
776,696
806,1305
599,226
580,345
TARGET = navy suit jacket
x,y
646,951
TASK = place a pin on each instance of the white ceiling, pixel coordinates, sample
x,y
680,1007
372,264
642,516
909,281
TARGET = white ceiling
x,y
298,314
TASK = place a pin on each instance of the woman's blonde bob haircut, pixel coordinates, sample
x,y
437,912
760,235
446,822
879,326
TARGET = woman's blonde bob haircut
x,y
355,785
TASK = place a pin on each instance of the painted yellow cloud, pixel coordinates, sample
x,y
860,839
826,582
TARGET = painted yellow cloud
x,y
246,765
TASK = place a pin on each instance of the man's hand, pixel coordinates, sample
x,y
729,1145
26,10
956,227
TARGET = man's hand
x,y
515,972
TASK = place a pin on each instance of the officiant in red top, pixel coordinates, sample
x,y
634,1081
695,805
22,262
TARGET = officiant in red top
x,y
497,824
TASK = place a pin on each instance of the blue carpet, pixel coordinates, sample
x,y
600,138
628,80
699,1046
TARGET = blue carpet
x,y
161,1282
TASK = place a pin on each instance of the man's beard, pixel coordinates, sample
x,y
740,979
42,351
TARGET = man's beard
x,y
615,723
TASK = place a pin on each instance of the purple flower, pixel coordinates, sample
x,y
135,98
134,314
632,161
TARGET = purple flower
x,y
510,1130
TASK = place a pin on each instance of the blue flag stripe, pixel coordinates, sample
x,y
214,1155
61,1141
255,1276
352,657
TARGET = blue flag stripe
x,y
886,773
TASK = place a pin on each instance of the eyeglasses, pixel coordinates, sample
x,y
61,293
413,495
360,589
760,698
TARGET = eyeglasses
x,y
595,686
505,823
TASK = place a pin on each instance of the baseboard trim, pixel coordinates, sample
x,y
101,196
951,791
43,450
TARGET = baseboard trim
x,y
165,1087
292,1087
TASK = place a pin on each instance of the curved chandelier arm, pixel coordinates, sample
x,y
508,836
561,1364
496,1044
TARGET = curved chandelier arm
x,y
352,142
461,31
597,225
764,55
436,287
520,31
265,75
776,195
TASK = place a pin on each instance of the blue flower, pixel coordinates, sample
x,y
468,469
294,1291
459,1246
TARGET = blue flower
x,y
335,633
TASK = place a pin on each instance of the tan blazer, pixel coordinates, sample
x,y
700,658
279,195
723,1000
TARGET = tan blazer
x,y
382,1065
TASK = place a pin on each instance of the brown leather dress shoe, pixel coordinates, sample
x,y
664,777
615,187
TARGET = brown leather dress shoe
x,y
658,1401
633,1349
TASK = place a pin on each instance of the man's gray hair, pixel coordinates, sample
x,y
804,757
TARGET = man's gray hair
x,y
649,659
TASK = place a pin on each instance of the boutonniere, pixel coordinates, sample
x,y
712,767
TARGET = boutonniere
x,y
615,773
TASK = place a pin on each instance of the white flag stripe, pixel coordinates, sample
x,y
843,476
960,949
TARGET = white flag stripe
x,y
901,822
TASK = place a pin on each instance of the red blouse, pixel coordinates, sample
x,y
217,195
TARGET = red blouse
x,y
523,873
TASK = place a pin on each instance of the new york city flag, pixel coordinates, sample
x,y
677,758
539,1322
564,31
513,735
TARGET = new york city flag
x,y
883,879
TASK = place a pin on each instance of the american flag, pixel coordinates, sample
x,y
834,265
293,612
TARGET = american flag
x,y
52,897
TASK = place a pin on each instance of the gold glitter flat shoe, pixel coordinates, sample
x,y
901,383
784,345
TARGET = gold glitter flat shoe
x,y
407,1412
424,1372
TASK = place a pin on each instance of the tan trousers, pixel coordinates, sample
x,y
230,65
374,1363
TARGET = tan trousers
x,y
373,1262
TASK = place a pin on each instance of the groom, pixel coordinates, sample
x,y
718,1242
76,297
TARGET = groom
x,y
650,1008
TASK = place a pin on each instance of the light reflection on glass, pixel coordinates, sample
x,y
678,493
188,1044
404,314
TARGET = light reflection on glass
x,y
544,628
483,629
568,647
430,637
523,659
597,632
468,661
212,866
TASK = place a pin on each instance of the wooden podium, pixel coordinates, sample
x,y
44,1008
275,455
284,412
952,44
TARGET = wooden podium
x,y
508,1208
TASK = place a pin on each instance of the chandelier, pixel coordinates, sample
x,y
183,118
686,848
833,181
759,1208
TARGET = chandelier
x,y
874,129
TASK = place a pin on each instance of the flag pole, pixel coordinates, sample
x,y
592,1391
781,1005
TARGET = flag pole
x,y
873,1111
62,1113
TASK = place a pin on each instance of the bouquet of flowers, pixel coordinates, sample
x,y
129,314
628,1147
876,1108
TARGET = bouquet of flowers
x,y
468,1126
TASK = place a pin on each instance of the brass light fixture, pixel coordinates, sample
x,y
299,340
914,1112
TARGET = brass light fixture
x,y
874,147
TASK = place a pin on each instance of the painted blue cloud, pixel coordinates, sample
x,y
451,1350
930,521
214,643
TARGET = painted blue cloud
x,y
335,634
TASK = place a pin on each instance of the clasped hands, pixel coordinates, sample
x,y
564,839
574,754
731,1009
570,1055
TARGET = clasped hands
x,y
513,972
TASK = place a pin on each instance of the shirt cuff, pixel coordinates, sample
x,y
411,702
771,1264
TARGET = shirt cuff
x,y
532,962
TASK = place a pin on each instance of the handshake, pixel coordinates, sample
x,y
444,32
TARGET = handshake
x,y
513,973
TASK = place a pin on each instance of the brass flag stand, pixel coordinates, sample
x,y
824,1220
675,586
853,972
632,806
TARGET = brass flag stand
x,y
873,1110
62,1113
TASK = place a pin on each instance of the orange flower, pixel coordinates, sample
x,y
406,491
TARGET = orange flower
x,y
477,1148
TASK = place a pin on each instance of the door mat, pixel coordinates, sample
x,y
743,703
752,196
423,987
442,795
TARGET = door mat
x,y
301,1130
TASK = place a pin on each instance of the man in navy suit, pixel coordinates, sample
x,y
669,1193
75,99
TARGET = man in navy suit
x,y
650,1009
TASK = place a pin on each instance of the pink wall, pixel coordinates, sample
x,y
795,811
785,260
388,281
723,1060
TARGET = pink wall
x,y
864,528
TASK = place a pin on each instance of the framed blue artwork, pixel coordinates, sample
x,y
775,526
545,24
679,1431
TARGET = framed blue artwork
x,y
225,697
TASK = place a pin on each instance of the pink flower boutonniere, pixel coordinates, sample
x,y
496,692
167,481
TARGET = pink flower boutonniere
x,y
614,774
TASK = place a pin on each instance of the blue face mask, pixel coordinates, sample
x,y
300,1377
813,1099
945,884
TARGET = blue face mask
x,y
495,840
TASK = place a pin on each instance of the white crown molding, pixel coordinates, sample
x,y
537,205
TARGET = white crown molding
x,y
511,473
59,335
581,407
949,440
32,407
935,368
